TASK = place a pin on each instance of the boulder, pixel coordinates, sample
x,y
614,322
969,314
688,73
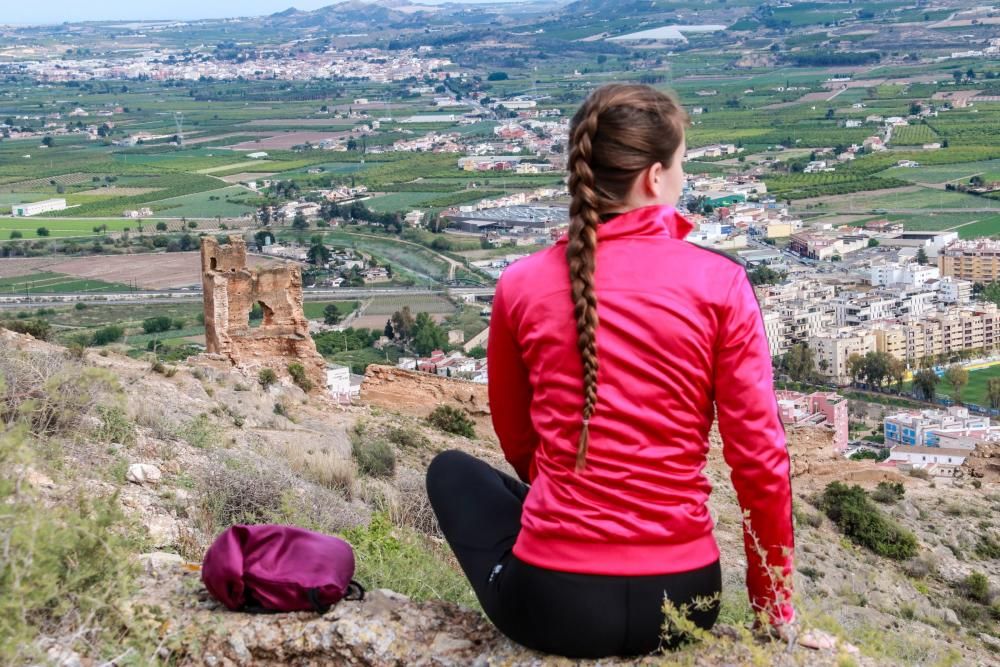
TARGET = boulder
x,y
143,473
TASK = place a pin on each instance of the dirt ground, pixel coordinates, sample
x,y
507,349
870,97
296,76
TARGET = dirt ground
x,y
149,271
286,140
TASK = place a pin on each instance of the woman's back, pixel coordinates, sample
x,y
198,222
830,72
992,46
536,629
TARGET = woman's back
x,y
668,309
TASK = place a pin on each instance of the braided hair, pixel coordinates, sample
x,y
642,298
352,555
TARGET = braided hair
x,y
619,131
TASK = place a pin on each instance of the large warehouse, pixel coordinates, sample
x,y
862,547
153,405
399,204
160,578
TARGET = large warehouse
x,y
35,208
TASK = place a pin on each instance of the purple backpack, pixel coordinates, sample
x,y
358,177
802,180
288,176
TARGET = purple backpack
x,y
279,568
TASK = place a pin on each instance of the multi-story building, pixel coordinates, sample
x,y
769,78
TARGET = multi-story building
x,y
894,273
953,291
913,337
832,349
927,427
820,245
854,310
976,260
819,408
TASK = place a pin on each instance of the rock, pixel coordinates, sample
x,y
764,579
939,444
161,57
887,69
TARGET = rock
x,y
949,616
445,643
158,561
163,530
817,639
38,480
143,473
990,641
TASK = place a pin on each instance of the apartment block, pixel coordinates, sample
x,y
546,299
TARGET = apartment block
x,y
976,260
833,348
927,428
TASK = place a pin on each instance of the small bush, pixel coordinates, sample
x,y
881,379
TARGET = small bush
x,y
200,432
39,329
267,377
374,457
106,335
988,547
976,587
156,324
298,373
920,567
865,524
115,425
80,305
919,473
452,420
66,571
887,493
409,438
400,559
248,492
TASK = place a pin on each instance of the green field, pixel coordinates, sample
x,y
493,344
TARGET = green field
x,y
926,199
975,391
65,227
946,172
314,309
207,204
49,283
400,201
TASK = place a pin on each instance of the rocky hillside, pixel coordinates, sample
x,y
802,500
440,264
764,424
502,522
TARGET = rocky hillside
x,y
117,474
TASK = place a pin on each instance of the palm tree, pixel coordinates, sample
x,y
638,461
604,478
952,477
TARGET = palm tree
x,y
993,392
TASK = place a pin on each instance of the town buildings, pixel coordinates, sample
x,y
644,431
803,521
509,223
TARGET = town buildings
x,y
977,260
816,409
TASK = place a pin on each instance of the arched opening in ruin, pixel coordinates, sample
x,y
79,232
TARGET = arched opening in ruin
x,y
213,263
261,315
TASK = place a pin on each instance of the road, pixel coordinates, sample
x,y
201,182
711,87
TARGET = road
x,y
148,297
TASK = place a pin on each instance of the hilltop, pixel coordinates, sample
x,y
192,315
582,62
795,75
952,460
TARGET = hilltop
x,y
128,471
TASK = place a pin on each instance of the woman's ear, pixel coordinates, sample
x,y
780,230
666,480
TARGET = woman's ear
x,y
651,179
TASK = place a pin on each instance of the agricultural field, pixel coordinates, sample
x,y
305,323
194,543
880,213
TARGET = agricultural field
x,y
913,135
224,202
400,201
989,169
49,283
314,309
63,227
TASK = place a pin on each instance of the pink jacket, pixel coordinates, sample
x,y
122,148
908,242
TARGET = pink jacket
x,y
680,336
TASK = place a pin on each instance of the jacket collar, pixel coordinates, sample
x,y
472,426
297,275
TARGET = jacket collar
x,y
645,221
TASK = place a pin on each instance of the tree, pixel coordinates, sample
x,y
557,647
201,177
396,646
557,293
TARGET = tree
x,y
970,74
921,256
856,367
388,332
957,377
300,222
799,362
161,226
957,75
897,372
403,323
47,142
993,392
331,314
872,243
427,335
318,253
42,231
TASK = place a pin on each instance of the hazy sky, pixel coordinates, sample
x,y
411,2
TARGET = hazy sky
x,y
57,11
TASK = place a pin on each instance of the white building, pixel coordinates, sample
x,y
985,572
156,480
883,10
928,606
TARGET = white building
x,y
38,207
257,156
954,290
938,461
910,274
338,383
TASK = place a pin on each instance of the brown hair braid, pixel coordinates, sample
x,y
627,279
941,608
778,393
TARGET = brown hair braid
x,y
619,131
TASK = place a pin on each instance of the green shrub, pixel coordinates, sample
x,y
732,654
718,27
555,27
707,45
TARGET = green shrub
x,y
200,432
976,587
374,457
298,373
106,335
865,524
401,559
988,547
888,493
39,329
452,420
267,377
156,324
115,425
66,572
407,437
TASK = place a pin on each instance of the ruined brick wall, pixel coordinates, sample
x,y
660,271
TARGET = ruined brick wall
x,y
230,291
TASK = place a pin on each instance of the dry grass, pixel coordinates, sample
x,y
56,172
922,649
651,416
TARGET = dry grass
x,y
322,466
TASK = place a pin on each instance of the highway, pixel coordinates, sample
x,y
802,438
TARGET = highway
x,y
183,296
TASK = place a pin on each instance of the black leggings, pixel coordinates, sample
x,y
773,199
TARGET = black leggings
x,y
568,614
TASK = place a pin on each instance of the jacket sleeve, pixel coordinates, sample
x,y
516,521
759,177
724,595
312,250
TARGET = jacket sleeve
x,y
510,391
754,447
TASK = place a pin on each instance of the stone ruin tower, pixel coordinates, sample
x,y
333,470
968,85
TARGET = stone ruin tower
x,y
231,290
